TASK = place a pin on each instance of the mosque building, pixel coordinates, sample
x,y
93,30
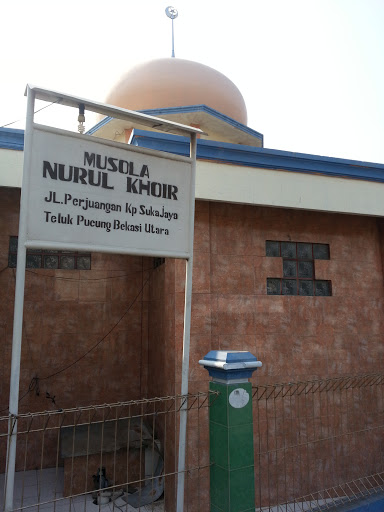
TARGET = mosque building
x,y
288,260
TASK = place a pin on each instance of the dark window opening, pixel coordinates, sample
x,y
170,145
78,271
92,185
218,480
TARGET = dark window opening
x,y
298,269
49,259
157,262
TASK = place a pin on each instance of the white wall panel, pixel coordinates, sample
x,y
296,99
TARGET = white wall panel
x,y
286,189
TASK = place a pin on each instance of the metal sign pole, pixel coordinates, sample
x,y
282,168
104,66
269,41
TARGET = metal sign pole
x,y
173,41
186,338
18,315
42,146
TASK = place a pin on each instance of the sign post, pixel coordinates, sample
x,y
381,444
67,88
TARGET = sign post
x,y
186,345
18,318
88,194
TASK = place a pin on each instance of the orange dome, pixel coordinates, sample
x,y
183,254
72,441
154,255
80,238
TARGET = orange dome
x,y
174,82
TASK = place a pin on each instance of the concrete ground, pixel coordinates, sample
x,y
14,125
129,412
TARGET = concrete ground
x,y
28,493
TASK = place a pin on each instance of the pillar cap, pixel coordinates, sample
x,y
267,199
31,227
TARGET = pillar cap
x,y
230,365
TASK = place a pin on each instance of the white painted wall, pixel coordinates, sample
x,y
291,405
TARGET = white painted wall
x,y
264,187
11,168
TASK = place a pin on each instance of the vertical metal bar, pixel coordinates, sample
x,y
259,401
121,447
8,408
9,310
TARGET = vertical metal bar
x,y
102,444
323,486
57,462
186,336
267,451
141,454
331,441
73,452
165,451
128,441
198,452
26,451
101,455
173,41
285,441
18,311
345,440
153,451
276,472
325,444
259,432
314,444
364,402
302,485
114,454
174,491
87,461
336,411
291,430
381,451
40,477
187,473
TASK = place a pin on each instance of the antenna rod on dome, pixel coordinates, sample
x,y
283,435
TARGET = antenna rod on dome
x,y
172,13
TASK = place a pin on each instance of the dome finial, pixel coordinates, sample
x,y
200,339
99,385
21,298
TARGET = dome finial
x,y
172,13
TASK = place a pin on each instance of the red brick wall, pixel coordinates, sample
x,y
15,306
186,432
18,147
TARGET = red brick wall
x,y
295,337
380,226
65,314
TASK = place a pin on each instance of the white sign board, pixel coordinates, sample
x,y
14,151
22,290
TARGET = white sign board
x,y
80,194
105,196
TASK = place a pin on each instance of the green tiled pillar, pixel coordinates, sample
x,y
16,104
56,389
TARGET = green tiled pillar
x,y
232,480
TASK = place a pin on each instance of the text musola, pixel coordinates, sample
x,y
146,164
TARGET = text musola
x,y
92,173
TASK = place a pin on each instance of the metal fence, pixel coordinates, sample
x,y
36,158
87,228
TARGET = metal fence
x,y
318,444
121,456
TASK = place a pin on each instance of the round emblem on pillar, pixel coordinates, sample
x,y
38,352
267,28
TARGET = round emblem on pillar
x,y
239,398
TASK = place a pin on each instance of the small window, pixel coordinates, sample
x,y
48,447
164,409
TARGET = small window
x,y
273,249
158,261
273,286
323,288
321,252
305,287
39,258
298,272
289,287
288,250
304,251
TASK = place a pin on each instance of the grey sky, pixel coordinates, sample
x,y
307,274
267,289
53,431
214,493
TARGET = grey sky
x,y
311,71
